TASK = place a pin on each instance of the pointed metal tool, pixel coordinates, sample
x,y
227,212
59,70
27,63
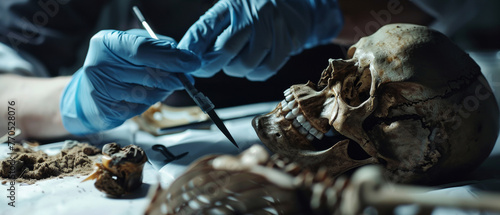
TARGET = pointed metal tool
x,y
201,100
206,106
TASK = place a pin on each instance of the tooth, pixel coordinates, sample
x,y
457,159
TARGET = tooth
x,y
290,115
289,98
296,123
306,125
295,111
313,131
303,131
319,135
291,104
287,92
310,137
301,118
284,103
284,106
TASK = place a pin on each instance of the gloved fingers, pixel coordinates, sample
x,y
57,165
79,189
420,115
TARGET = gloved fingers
x,y
144,33
132,93
280,52
227,46
108,89
121,80
266,71
251,56
273,62
153,78
159,54
203,33
144,76
142,51
217,36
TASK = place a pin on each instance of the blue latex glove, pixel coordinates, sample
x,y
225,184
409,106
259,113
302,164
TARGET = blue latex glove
x,y
255,38
123,74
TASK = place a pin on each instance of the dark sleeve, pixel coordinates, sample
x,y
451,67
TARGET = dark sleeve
x,y
50,30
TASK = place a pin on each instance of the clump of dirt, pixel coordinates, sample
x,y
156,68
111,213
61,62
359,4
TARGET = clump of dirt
x,y
29,166
120,172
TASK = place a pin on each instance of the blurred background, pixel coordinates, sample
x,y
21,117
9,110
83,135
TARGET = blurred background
x,y
173,18
473,24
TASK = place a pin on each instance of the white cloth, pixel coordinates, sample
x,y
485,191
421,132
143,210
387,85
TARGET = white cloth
x,y
71,196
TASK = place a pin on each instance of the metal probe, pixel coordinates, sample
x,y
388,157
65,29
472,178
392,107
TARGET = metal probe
x,y
201,100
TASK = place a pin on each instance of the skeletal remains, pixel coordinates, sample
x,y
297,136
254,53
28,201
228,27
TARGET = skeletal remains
x,y
254,183
406,99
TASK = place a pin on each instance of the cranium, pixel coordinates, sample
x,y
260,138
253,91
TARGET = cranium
x,y
406,97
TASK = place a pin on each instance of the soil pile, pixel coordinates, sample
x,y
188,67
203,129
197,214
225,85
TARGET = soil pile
x,y
28,165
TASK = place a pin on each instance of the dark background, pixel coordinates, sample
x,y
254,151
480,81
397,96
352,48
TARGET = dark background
x,y
226,91
174,17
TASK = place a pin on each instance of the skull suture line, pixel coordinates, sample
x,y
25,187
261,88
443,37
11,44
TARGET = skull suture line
x,y
406,98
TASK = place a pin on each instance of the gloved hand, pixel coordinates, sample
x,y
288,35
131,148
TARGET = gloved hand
x,y
255,38
123,74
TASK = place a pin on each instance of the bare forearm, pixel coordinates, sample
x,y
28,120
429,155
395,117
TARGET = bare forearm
x,y
36,105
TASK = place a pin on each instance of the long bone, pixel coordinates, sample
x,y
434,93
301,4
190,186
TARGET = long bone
x,y
254,183
368,188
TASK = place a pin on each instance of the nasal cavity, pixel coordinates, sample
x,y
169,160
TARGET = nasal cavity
x,y
356,87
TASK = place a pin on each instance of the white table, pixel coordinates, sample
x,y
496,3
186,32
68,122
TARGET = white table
x,y
71,196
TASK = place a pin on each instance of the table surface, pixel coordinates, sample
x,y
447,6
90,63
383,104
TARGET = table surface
x,y
69,195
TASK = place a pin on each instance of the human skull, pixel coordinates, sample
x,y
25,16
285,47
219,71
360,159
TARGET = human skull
x,y
406,98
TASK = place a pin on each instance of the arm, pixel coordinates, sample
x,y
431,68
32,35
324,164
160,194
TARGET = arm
x,y
124,73
37,105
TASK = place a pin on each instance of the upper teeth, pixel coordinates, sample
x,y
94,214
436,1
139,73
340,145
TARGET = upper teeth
x,y
298,120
